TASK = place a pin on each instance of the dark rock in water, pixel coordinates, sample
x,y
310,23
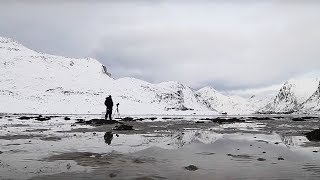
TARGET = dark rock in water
x,y
42,118
123,127
153,118
139,119
25,118
199,122
108,136
66,118
261,159
112,175
224,120
261,118
80,121
313,135
99,122
309,117
298,119
280,158
166,118
1,152
191,168
127,119
51,138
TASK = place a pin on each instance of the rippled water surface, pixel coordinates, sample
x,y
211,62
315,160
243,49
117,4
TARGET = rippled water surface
x,y
274,148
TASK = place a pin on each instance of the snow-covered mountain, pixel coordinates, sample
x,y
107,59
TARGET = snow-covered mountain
x,y
230,104
294,96
32,82
312,104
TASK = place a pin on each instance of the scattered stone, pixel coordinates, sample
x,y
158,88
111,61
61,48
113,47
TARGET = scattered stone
x,y
80,120
139,119
112,175
153,118
223,120
191,168
315,151
276,143
98,121
127,119
240,156
123,127
66,118
68,166
261,118
25,118
298,119
37,130
313,135
263,152
198,122
53,138
261,159
278,117
309,117
41,118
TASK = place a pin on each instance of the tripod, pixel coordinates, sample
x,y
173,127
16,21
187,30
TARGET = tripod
x,y
116,111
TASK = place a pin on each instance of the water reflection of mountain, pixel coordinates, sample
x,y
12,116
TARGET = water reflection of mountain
x,y
291,141
187,137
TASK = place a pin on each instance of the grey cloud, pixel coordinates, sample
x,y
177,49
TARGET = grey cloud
x,y
226,44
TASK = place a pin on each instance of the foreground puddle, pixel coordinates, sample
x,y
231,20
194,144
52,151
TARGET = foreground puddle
x,y
53,150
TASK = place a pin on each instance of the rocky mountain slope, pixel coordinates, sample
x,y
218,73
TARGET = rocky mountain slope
x,y
312,104
296,95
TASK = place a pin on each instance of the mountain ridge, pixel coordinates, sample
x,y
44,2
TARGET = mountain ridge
x,y
33,82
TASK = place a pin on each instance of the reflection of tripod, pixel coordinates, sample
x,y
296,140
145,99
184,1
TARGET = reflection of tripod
x,y
117,112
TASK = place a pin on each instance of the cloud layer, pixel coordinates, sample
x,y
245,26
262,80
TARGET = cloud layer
x,y
226,44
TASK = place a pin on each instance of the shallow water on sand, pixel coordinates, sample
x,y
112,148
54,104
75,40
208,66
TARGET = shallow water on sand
x,y
158,149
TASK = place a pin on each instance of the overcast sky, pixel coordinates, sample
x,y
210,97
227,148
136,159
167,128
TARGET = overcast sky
x,y
227,44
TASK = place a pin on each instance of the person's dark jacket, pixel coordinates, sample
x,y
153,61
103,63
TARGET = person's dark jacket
x,y
109,102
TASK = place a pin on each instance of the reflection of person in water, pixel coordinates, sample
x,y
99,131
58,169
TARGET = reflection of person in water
x,y
109,103
108,136
117,107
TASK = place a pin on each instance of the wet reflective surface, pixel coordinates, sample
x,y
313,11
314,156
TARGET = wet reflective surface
x,y
161,148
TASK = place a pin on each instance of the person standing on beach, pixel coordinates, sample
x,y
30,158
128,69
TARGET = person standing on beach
x,y
109,103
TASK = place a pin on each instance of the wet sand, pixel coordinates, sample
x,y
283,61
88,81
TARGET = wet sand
x,y
189,147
